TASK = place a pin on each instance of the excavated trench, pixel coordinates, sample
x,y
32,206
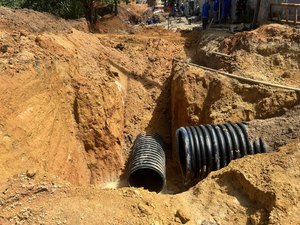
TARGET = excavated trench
x,y
193,96
73,104
94,94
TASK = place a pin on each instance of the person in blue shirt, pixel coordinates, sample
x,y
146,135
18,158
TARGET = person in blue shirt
x,y
216,10
155,20
182,9
174,10
149,21
205,14
226,10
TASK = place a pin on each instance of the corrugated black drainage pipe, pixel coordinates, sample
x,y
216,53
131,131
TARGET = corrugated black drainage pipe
x,y
205,148
147,167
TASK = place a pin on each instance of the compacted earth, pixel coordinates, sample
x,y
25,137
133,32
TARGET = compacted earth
x,y
73,102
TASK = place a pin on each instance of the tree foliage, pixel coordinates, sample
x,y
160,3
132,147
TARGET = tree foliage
x,y
11,3
69,9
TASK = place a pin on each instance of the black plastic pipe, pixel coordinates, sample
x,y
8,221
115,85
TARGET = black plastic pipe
x,y
147,167
205,148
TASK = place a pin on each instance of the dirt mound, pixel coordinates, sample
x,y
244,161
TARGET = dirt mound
x,y
285,128
201,97
36,22
270,53
131,11
56,116
267,195
112,24
70,96
121,24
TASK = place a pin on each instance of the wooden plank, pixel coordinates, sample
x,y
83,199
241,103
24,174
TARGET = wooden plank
x,y
290,21
286,4
286,9
221,54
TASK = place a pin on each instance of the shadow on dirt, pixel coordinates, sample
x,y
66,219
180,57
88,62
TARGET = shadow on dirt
x,y
249,196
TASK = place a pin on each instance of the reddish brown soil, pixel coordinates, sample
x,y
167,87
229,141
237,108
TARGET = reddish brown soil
x,y
73,103
269,53
72,99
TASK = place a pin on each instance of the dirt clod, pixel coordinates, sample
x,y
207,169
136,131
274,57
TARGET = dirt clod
x,y
183,216
31,173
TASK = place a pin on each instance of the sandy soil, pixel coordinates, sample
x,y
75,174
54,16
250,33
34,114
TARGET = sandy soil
x,y
73,103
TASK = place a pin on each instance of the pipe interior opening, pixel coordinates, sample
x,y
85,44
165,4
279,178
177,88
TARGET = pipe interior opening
x,y
181,149
147,178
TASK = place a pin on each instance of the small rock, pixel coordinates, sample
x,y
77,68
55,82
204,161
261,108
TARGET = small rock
x,y
4,48
30,173
56,186
152,59
234,106
286,74
120,46
116,74
290,129
182,215
143,210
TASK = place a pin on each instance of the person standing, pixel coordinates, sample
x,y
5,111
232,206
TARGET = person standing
x,y
226,10
241,7
182,9
205,14
174,13
216,10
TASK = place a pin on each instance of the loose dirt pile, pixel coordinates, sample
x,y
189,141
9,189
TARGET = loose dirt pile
x,y
67,93
269,53
202,97
73,103
269,194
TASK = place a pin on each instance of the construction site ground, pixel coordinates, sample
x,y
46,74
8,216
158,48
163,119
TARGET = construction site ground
x,y
73,102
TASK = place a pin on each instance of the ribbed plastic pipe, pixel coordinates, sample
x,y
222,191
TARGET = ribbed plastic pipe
x,y
205,148
148,167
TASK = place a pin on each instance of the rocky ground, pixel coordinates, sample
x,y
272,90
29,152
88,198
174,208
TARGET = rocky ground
x,y
74,102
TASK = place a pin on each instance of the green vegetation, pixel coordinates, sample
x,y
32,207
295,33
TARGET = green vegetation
x,y
12,3
68,9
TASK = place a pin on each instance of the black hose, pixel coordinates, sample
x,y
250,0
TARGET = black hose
x,y
205,148
147,166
